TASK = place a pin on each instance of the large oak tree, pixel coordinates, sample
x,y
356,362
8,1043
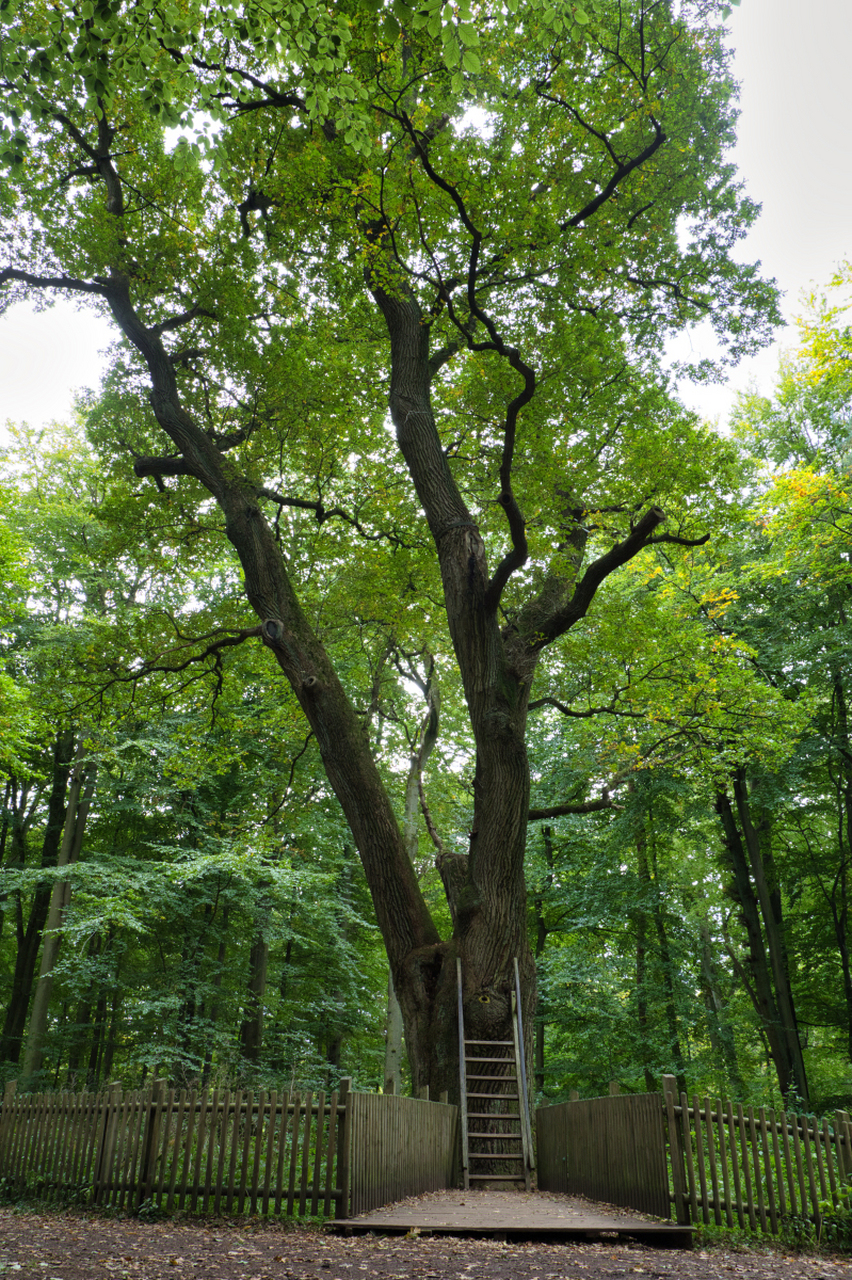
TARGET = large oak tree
x,y
488,220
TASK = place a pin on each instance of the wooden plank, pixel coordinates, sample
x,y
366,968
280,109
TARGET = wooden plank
x,y
711,1159
690,1163
844,1155
804,1125
282,1150
329,1155
758,1180
165,1144
235,1143
306,1156
746,1166
789,1163
248,1117
699,1156
723,1161
675,1152
767,1172
797,1148
318,1146
134,1171
200,1136
344,1148
222,1142
820,1162
180,1120
258,1149
270,1151
735,1164
829,1164
186,1164
294,1153
779,1165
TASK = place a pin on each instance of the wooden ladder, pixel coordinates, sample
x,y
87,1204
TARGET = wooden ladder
x,y
495,1118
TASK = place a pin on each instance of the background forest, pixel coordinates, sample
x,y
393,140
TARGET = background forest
x,y
385,603
175,866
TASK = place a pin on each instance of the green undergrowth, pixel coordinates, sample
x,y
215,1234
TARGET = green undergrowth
x,y
833,1235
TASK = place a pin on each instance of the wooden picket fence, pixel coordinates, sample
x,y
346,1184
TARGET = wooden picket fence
x,y
754,1169
220,1151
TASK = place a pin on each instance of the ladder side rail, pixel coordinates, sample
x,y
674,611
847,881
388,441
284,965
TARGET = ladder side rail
x,y
525,1150
462,1083
522,1071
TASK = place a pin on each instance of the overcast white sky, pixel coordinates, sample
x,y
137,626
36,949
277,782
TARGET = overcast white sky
x,y
794,152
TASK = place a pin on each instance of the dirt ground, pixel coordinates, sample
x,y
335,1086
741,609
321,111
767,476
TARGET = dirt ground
x,y
80,1246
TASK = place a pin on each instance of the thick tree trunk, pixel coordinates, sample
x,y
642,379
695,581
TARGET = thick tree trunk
x,y
782,1036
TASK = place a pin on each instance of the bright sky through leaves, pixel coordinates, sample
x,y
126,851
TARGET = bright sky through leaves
x,y
793,153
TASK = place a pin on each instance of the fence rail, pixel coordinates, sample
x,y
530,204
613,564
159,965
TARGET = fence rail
x,y
735,1166
214,1150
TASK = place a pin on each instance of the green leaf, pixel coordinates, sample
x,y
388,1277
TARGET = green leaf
x,y
470,62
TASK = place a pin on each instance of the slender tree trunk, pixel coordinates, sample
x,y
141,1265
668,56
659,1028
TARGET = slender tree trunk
x,y
80,792
651,894
29,937
251,1029
780,1035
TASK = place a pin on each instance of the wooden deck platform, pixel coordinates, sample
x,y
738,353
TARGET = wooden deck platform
x,y
514,1215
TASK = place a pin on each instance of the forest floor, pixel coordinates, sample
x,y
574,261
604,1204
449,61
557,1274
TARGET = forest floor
x,y
76,1245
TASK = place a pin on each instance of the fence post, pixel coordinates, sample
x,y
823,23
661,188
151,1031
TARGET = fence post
x,y
574,1095
7,1119
424,1092
344,1144
676,1151
614,1088
843,1142
148,1164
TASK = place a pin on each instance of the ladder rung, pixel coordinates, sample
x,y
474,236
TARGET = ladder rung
x,y
497,1137
496,1096
467,1058
513,1078
484,1155
506,1044
495,1177
492,1115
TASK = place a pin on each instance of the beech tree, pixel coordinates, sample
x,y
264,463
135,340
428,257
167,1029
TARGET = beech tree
x,y
488,221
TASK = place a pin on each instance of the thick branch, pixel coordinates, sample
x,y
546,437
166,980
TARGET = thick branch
x,y
563,619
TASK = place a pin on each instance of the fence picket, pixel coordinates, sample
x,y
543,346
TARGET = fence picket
x,y
258,1144
735,1165
829,1164
723,1156
223,1143
201,1134
820,1162
809,1164
294,1153
318,1136
767,1171
306,1155
282,1150
711,1160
